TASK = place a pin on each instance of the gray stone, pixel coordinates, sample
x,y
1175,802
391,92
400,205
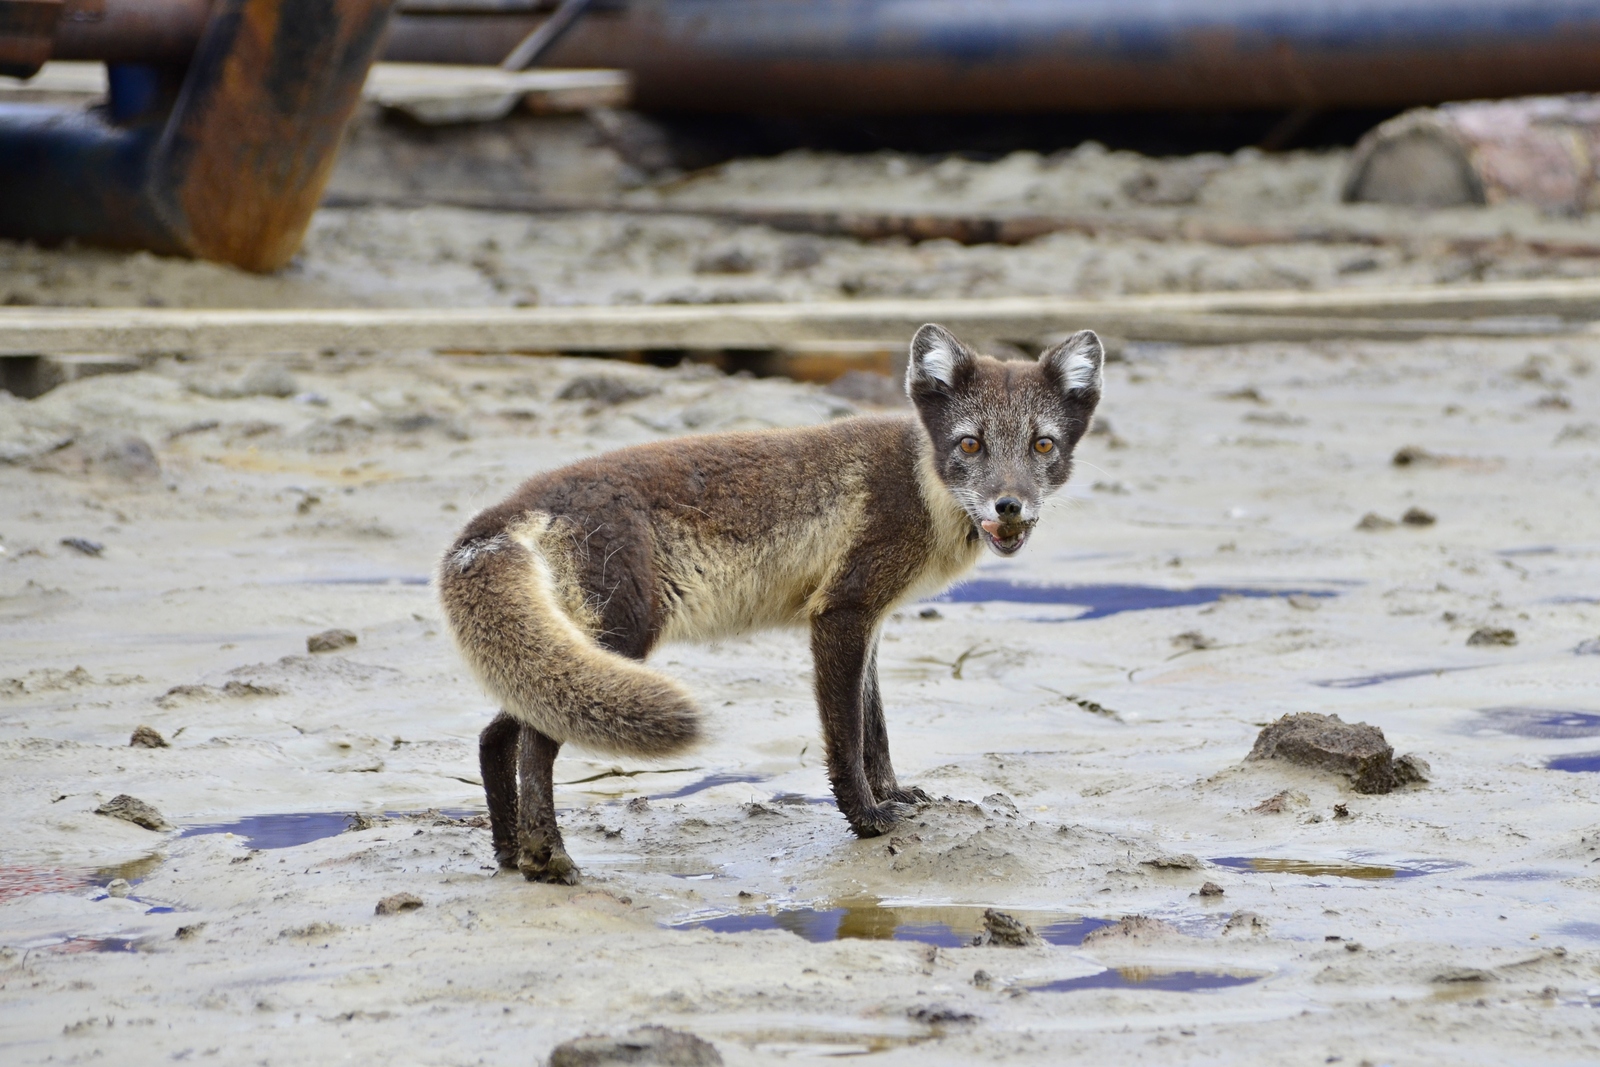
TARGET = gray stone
x,y
652,1045
146,737
330,641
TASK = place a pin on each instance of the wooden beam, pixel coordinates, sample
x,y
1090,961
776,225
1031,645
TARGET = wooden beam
x,y
1512,307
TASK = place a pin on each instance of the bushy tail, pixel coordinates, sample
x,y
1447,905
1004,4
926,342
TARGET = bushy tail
x,y
502,608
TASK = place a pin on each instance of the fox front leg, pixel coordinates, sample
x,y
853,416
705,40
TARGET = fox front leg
x,y
841,652
875,742
541,855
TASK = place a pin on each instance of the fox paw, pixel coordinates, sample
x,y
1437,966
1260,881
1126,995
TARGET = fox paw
x,y
506,858
908,795
880,819
547,863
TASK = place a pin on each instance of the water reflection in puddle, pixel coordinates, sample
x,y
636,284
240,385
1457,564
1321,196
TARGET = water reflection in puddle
x,y
1539,722
952,926
301,828
1361,681
1335,868
710,781
1100,601
1148,978
1584,762
22,881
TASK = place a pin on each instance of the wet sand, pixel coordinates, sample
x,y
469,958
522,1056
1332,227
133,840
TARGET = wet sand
x,y
1085,709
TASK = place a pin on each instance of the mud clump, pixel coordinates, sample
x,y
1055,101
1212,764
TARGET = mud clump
x,y
1492,637
147,737
1133,928
1325,742
83,545
134,810
1008,930
653,1045
330,641
399,902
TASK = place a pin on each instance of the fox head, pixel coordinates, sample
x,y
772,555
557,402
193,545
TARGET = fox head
x,y
1003,433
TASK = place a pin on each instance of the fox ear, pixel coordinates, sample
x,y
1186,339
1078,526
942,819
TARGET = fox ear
x,y
938,360
1076,364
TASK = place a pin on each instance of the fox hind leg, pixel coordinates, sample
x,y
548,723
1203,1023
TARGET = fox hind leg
x,y
541,854
497,762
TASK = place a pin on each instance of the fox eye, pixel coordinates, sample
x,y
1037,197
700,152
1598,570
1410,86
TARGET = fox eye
x,y
1044,446
970,445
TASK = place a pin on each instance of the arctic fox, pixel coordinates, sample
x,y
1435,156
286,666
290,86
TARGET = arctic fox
x,y
557,595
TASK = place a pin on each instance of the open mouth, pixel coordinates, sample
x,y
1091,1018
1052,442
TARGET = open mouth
x,y
1002,538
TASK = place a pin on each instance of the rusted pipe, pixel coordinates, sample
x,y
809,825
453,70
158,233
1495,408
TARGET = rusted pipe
x,y
131,31
224,158
928,56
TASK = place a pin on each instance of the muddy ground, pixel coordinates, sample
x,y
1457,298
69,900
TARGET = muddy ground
x,y
1084,710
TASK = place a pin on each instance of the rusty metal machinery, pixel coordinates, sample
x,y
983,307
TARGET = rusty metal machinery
x,y
221,128
998,56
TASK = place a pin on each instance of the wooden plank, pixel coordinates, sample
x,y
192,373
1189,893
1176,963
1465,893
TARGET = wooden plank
x,y
1002,226
1234,316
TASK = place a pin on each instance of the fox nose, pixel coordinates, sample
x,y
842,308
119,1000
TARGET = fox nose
x,y
1009,508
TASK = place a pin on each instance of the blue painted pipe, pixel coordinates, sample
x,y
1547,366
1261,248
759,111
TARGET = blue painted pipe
x,y
928,56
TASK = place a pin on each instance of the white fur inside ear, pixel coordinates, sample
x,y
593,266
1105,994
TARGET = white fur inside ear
x,y
939,362
1080,360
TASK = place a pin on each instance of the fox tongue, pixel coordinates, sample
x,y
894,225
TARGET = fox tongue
x,y
991,527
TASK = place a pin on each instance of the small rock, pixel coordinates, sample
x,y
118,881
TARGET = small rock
x,y
982,978
1276,804
1341,811
940,1015
134,810
639,805
84,545
1463,974
190,932
930,613
1211,889
1193,641
316,929
146,737
1590,647
1418,517
650,1045
1413,456
1133,928
1491,636
1407,768
1245,922
118,887
330,641
605,389
394,905
1373,521
1002,929
1183,862
1325,742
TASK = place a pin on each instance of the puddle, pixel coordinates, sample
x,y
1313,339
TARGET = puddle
x,y
1364,680
74,945
1540,722
301,828
1520,876
953,926
1100,601
1587,761
1334,868
1587,931
377,579
710,781
21,881
1149,978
